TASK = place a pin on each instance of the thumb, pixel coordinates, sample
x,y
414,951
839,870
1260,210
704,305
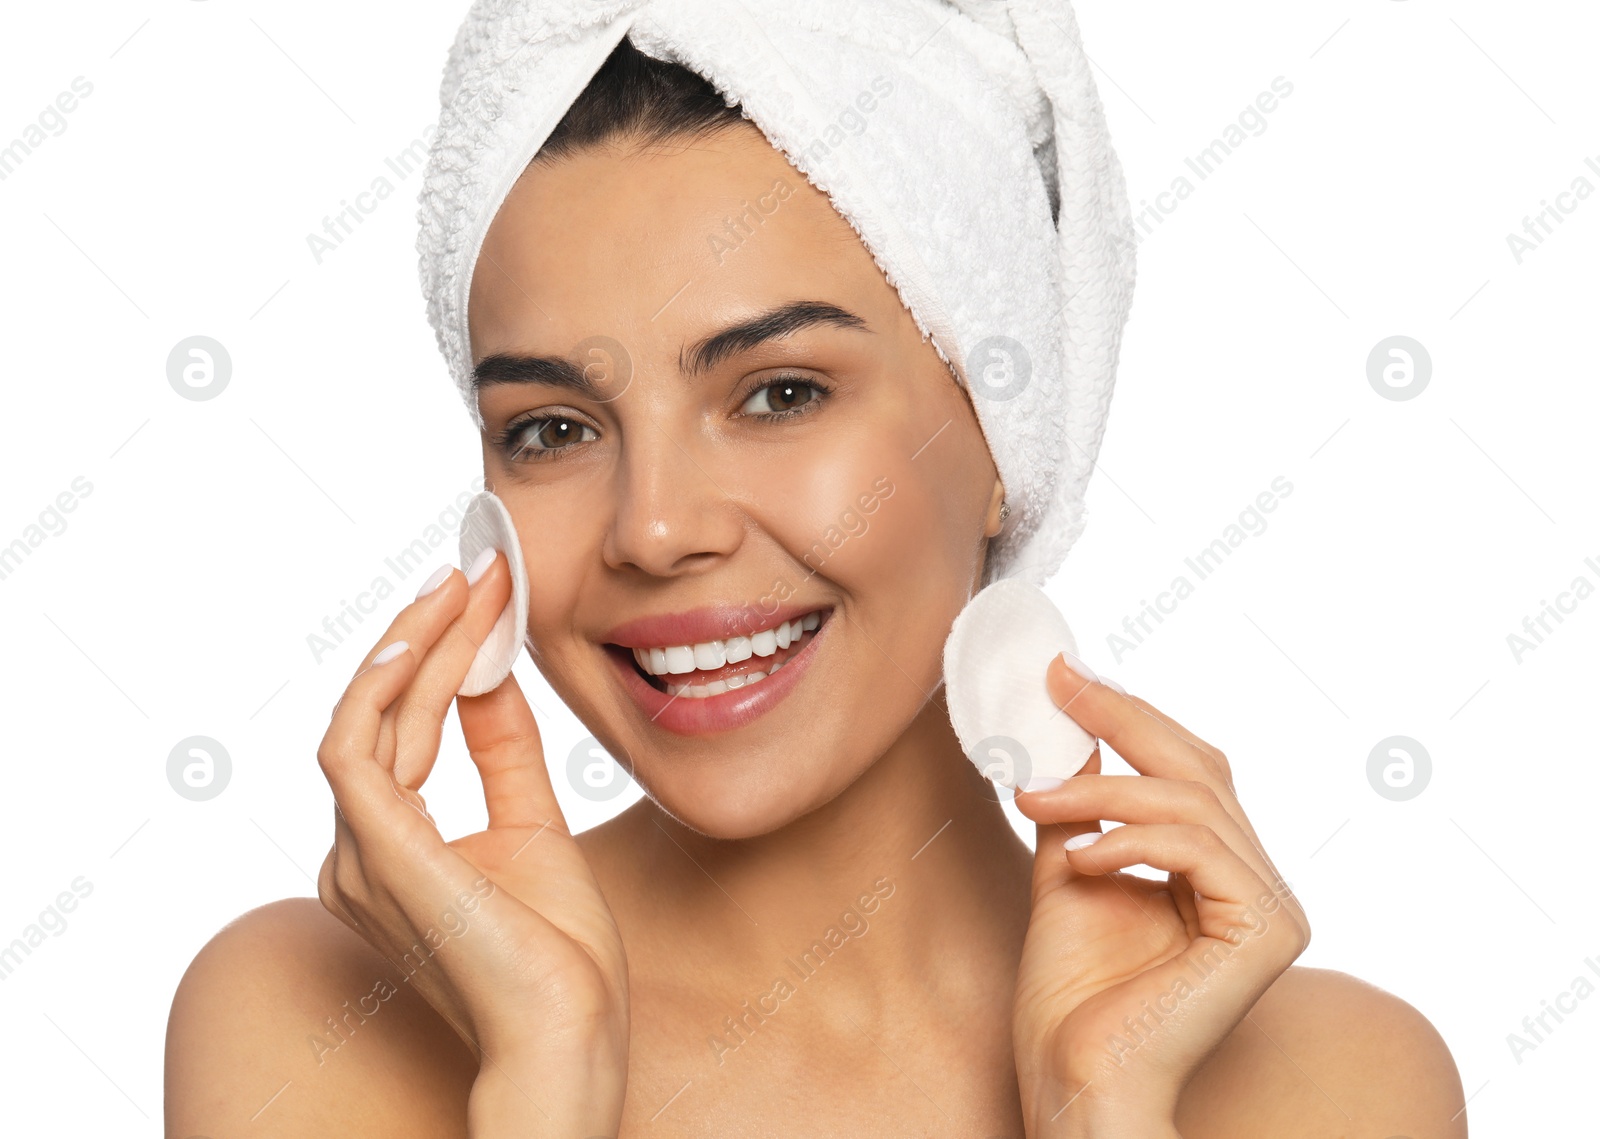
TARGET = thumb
x,y
503,740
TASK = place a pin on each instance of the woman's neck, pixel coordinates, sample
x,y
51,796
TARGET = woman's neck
x,y
909,887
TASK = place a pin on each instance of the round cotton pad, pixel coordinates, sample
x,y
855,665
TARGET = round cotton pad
x,y
994,666
487,523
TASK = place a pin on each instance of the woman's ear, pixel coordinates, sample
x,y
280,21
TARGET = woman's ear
x,y
991,522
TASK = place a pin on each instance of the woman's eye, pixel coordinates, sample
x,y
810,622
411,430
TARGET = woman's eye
x,y
539,437
781,397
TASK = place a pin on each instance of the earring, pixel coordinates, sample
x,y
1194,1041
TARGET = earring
x,y
1005,511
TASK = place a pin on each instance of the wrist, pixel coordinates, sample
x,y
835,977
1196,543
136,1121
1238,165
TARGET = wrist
x,y
566,1097
1104,1124
1087,1110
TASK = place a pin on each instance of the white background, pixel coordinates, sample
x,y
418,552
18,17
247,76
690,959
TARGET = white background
x,y
1419,533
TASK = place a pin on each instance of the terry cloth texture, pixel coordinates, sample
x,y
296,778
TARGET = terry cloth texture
x,y
963,140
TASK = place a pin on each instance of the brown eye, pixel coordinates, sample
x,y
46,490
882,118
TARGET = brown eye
x,y
781,397
537,438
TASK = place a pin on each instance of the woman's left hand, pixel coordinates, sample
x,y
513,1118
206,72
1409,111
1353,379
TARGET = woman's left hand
x,y
1127,984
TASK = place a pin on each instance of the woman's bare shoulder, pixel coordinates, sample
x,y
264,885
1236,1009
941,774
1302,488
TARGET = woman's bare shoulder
x,y
1324,1053
288,1023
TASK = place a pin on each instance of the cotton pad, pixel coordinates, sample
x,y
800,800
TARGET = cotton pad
x,y
994,667
487,523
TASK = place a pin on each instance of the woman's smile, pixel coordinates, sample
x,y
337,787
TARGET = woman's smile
x,y
712,684
778,444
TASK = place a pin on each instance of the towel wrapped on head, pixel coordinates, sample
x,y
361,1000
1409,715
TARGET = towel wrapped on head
x,y
963,140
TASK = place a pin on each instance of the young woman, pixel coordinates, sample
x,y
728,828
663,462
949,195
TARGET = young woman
x,y
818,921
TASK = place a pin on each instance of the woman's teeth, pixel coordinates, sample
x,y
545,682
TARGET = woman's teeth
x,y
715,654
718,687
708,655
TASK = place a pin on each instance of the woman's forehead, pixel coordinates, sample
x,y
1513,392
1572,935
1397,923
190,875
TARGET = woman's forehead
x,y
645,237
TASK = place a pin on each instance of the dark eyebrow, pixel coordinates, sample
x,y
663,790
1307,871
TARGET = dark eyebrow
x,y
779,322
508,368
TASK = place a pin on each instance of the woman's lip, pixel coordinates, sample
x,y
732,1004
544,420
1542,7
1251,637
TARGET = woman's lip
x,y
709,623
691,716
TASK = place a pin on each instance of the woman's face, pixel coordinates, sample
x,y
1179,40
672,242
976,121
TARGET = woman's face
x,y
710,414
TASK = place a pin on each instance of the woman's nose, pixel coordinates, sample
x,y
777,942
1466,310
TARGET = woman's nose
x,y
671,516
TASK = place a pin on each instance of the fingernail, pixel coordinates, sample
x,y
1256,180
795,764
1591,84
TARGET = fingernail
x,y
1079,841
389,653
1113,685
1078,666
480,565
436,580
1042,783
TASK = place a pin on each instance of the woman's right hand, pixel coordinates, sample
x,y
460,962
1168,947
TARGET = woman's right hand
x,y
504,932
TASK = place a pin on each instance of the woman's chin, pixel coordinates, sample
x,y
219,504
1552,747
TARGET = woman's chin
x,y
726,810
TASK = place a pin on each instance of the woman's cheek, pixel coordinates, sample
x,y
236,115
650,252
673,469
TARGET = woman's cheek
x,y
872,501
555,544
811,495
895,534
886,532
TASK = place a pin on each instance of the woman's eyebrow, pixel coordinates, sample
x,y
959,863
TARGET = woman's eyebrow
x,y
778,322
509,368
554,371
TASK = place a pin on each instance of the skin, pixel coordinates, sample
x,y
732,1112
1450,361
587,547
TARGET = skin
x,y
985,978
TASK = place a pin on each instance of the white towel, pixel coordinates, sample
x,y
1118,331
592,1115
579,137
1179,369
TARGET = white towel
x,y
992,120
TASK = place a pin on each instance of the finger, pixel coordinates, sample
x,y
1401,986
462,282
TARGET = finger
x,y
424,620
1085,793
1183,897
419,718
1234,899
503,739
419,624
1185,734
1217,763
346,751
1154,744
1149,746
363,790
1224,771
1141,702
1143,799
